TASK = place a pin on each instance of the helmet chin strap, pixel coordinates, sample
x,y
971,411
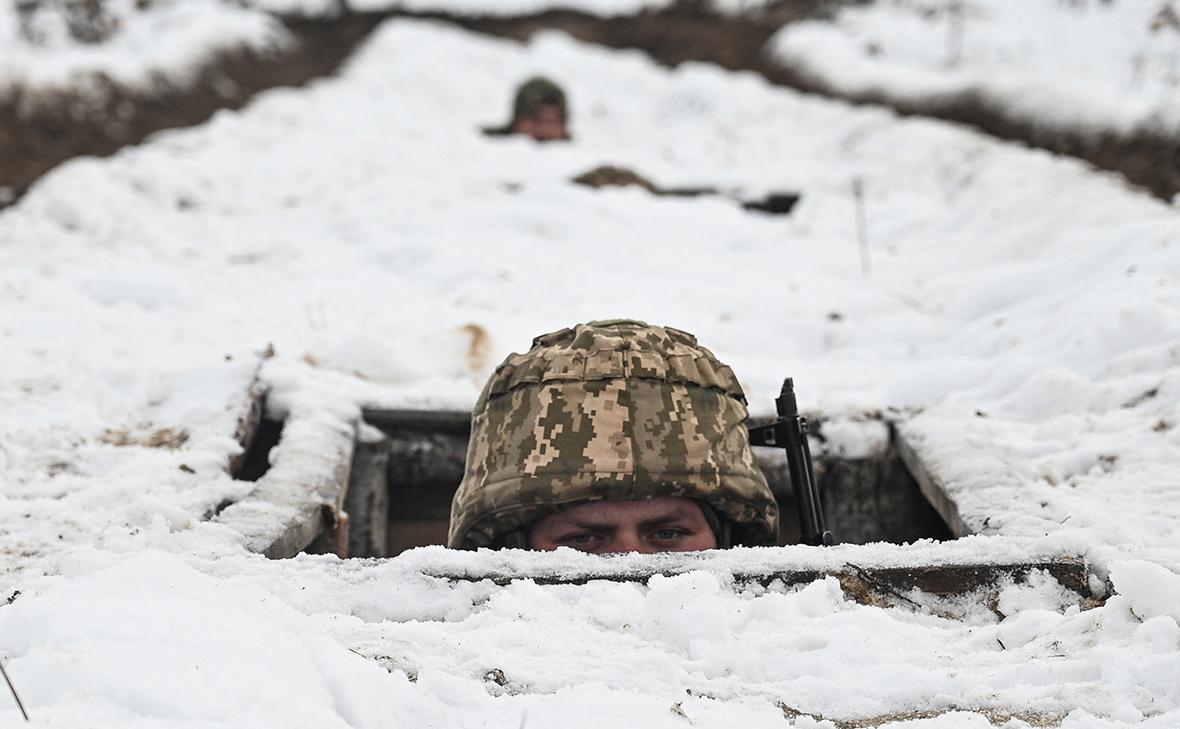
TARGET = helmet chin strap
x,y
515,539
725,535
722,527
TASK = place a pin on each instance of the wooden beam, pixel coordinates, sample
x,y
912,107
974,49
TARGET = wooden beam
x,y
457,422
252,410
872,585
302,495
933,487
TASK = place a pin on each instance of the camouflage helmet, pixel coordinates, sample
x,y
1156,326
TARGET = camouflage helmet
x,y
609,410
535,93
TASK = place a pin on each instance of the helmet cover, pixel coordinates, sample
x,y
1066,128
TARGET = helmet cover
x,y
613,410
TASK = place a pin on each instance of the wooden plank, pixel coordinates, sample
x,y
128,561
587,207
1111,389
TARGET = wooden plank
x,y
932,486
253,409
869,585
456,422
367,500
424,472
408,534
302,495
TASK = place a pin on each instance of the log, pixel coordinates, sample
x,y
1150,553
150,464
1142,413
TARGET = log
x,y
867,585
933,488
393,420
302,495
367,500
252,411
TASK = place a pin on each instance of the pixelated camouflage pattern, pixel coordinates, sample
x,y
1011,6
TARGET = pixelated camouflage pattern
x,y
615,410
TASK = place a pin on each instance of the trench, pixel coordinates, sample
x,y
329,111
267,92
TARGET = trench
x,y
384,488
33,143
255,461
401,486
689,30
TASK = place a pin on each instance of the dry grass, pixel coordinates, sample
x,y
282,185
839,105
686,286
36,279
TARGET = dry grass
x,y
170,438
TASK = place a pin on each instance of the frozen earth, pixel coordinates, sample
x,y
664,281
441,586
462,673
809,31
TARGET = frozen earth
x,y
1019,318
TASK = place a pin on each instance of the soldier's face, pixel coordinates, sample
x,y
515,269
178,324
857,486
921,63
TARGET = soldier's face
x,y
663,524
545,124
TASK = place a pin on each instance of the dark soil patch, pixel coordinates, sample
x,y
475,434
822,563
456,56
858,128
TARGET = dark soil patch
x,y
688,30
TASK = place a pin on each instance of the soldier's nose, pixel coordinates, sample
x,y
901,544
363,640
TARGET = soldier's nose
x,y
627,542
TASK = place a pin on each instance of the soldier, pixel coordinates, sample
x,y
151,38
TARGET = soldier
x,y
539,110
613,436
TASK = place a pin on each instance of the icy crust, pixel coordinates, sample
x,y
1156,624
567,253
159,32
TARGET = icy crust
x,y
1087,66
151,638
166,43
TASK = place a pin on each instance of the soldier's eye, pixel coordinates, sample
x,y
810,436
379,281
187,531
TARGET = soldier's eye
x,y
582,538
668,534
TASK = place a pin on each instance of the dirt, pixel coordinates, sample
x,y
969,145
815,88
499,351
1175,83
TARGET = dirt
x,y
479,347
687,30
38,134
610,176
168,438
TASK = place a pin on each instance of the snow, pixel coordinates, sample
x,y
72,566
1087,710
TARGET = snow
x,y
853,438
1020,310
159,639
167,44
1090,65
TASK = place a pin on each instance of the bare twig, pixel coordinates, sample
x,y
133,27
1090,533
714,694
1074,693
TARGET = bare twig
x,y
881,585
954,38
862,234
913,303
15,695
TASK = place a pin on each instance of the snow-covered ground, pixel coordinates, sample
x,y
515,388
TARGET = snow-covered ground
x,y
1088,65
137,49
600,8
1022,315
51,47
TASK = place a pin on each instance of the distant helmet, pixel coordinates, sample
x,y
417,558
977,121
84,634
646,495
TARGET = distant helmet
x,y
535,93
609,410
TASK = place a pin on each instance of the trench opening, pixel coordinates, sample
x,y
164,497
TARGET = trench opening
x,y
875,498
255,461
401,486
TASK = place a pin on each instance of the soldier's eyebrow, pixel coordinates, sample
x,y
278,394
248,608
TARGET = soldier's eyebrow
x,y
660,521
590,525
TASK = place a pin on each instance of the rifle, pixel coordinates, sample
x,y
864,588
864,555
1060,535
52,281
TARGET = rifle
x,y
789,432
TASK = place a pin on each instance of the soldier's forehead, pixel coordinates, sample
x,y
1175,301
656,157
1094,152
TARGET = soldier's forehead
x,y
658,507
